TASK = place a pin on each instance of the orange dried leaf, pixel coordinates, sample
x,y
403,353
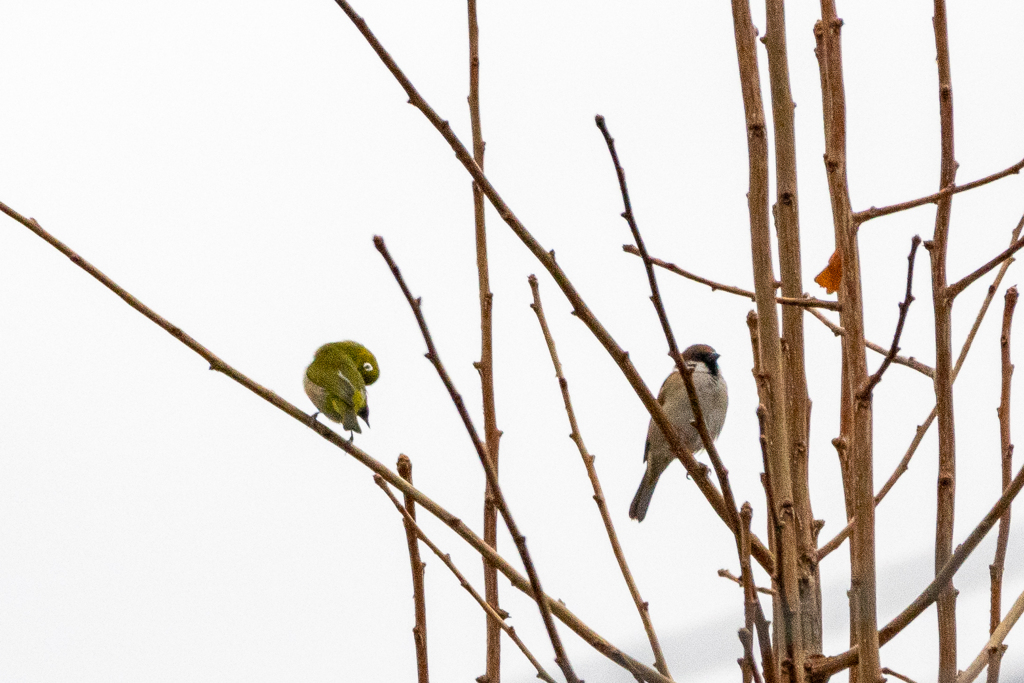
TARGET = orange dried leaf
x,y
833,273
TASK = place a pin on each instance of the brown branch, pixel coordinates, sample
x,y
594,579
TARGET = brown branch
x,y
751,604
873,212
1006,458
685,371
887,670
798,301
419,631
941,298
994,647
922,429
486,365
968,280
588,463
492,614
777,427
520,582
561,658
875,378
726,574
910,362
821,669
547,259
856,421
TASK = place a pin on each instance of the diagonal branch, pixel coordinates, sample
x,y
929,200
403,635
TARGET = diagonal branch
x,y
685,371
866,215
580,308
873,381
495,616
994,644
561,658
802,302
588,463
910,362
967,281
520,582
821,669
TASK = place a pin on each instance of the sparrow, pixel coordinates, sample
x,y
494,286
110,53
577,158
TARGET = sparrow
x,y
713,395
336,382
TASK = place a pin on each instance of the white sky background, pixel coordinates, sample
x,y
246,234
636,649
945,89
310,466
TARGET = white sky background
x,y
228,162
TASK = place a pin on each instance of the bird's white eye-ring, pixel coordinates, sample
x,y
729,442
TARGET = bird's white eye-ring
x,y
367,367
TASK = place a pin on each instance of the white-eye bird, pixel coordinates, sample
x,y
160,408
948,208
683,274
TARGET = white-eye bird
x,y
713,395
336,382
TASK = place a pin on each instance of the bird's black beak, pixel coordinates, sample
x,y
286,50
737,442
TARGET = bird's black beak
x,y
715,356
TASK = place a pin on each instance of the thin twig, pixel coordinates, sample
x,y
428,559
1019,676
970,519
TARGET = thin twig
x,y
561,658
492,435
887,670
967,281
726,574
547,259
873,212
588,463
419,631
520,582
800,302
922,429
1006,460
910,362
995,643
821,669
875,378
493,615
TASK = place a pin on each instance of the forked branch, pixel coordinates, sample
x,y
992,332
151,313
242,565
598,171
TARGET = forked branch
x,y
866,215
520,582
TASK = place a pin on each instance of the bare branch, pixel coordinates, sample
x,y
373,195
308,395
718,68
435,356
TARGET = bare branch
x,y
492,476
752,614
494,615
588,463
821,669
994,644
492,435
910,362
800,302
547,259
726,574
941,298
873,381
968,280
419,631
520,582
922,429
1006,457
873,212
887,670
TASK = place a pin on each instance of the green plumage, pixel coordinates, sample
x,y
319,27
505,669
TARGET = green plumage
x,y
336,382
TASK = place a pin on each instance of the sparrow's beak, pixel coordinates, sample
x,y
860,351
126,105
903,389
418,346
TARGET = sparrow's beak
x,y
716,356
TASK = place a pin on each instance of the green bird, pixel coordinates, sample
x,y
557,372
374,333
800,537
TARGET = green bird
x,y
336,382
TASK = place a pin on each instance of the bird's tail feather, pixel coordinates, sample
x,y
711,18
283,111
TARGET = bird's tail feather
x,y
642,499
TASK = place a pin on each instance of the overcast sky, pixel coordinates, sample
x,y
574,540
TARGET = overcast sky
x,y
228,163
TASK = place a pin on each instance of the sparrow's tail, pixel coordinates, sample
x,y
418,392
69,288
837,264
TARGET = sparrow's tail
x,y
642,499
